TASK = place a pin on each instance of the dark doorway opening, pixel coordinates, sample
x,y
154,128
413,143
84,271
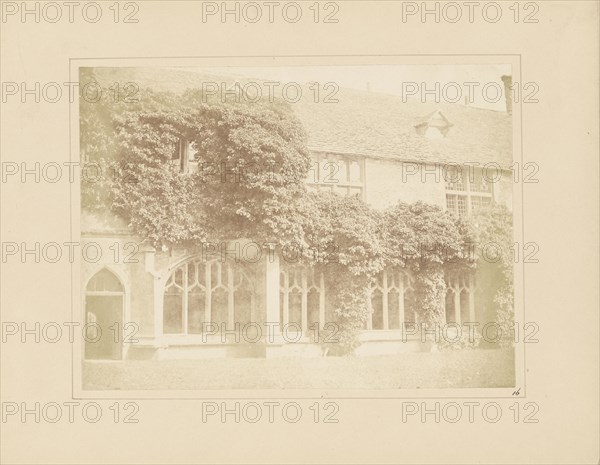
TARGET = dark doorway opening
x,y
104,317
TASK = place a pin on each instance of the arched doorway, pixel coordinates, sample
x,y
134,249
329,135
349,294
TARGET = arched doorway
x,y
104,299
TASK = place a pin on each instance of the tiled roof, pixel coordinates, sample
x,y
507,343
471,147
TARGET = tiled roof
x,y
367,123
381,125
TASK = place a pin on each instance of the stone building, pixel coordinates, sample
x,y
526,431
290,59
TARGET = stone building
x,y
367,144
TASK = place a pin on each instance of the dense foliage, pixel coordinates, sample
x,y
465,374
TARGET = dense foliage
x,y
492,232
252,162
347,233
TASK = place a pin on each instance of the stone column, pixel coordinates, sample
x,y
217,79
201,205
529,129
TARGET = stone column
x,y
304,322
472,299
158,309
370,311
207,294
272,297
321,301
157,293
230,298
286,299
457,293
384,301
401,301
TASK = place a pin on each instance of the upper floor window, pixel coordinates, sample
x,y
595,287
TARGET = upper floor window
x,y
467,191
479,183
186,156
455,182
343,175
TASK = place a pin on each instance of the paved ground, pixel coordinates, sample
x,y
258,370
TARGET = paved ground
x,y
456,369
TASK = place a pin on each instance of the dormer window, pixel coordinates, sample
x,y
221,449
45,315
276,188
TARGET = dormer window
x,y
186,156
434,126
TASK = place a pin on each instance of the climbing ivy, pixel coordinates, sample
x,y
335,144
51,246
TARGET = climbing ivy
x,y
491,232
252,162
347,232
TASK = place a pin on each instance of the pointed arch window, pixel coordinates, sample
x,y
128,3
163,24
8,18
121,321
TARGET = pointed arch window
x,y
199,293
392,300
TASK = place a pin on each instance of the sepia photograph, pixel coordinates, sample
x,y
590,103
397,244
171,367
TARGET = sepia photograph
x,y
299,232
339,227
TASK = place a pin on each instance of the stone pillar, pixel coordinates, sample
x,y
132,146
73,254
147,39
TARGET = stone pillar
x,y
457,305
472,299
321,302
158,286
384,301
230,298
185,297
401,302
370,311
272,295
208,293
286,299
304,322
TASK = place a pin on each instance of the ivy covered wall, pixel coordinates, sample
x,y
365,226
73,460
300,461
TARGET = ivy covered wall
x,y
261,148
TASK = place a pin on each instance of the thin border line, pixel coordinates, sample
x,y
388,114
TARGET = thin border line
x,y
297,56
522,231
566,2
71,239
70,200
